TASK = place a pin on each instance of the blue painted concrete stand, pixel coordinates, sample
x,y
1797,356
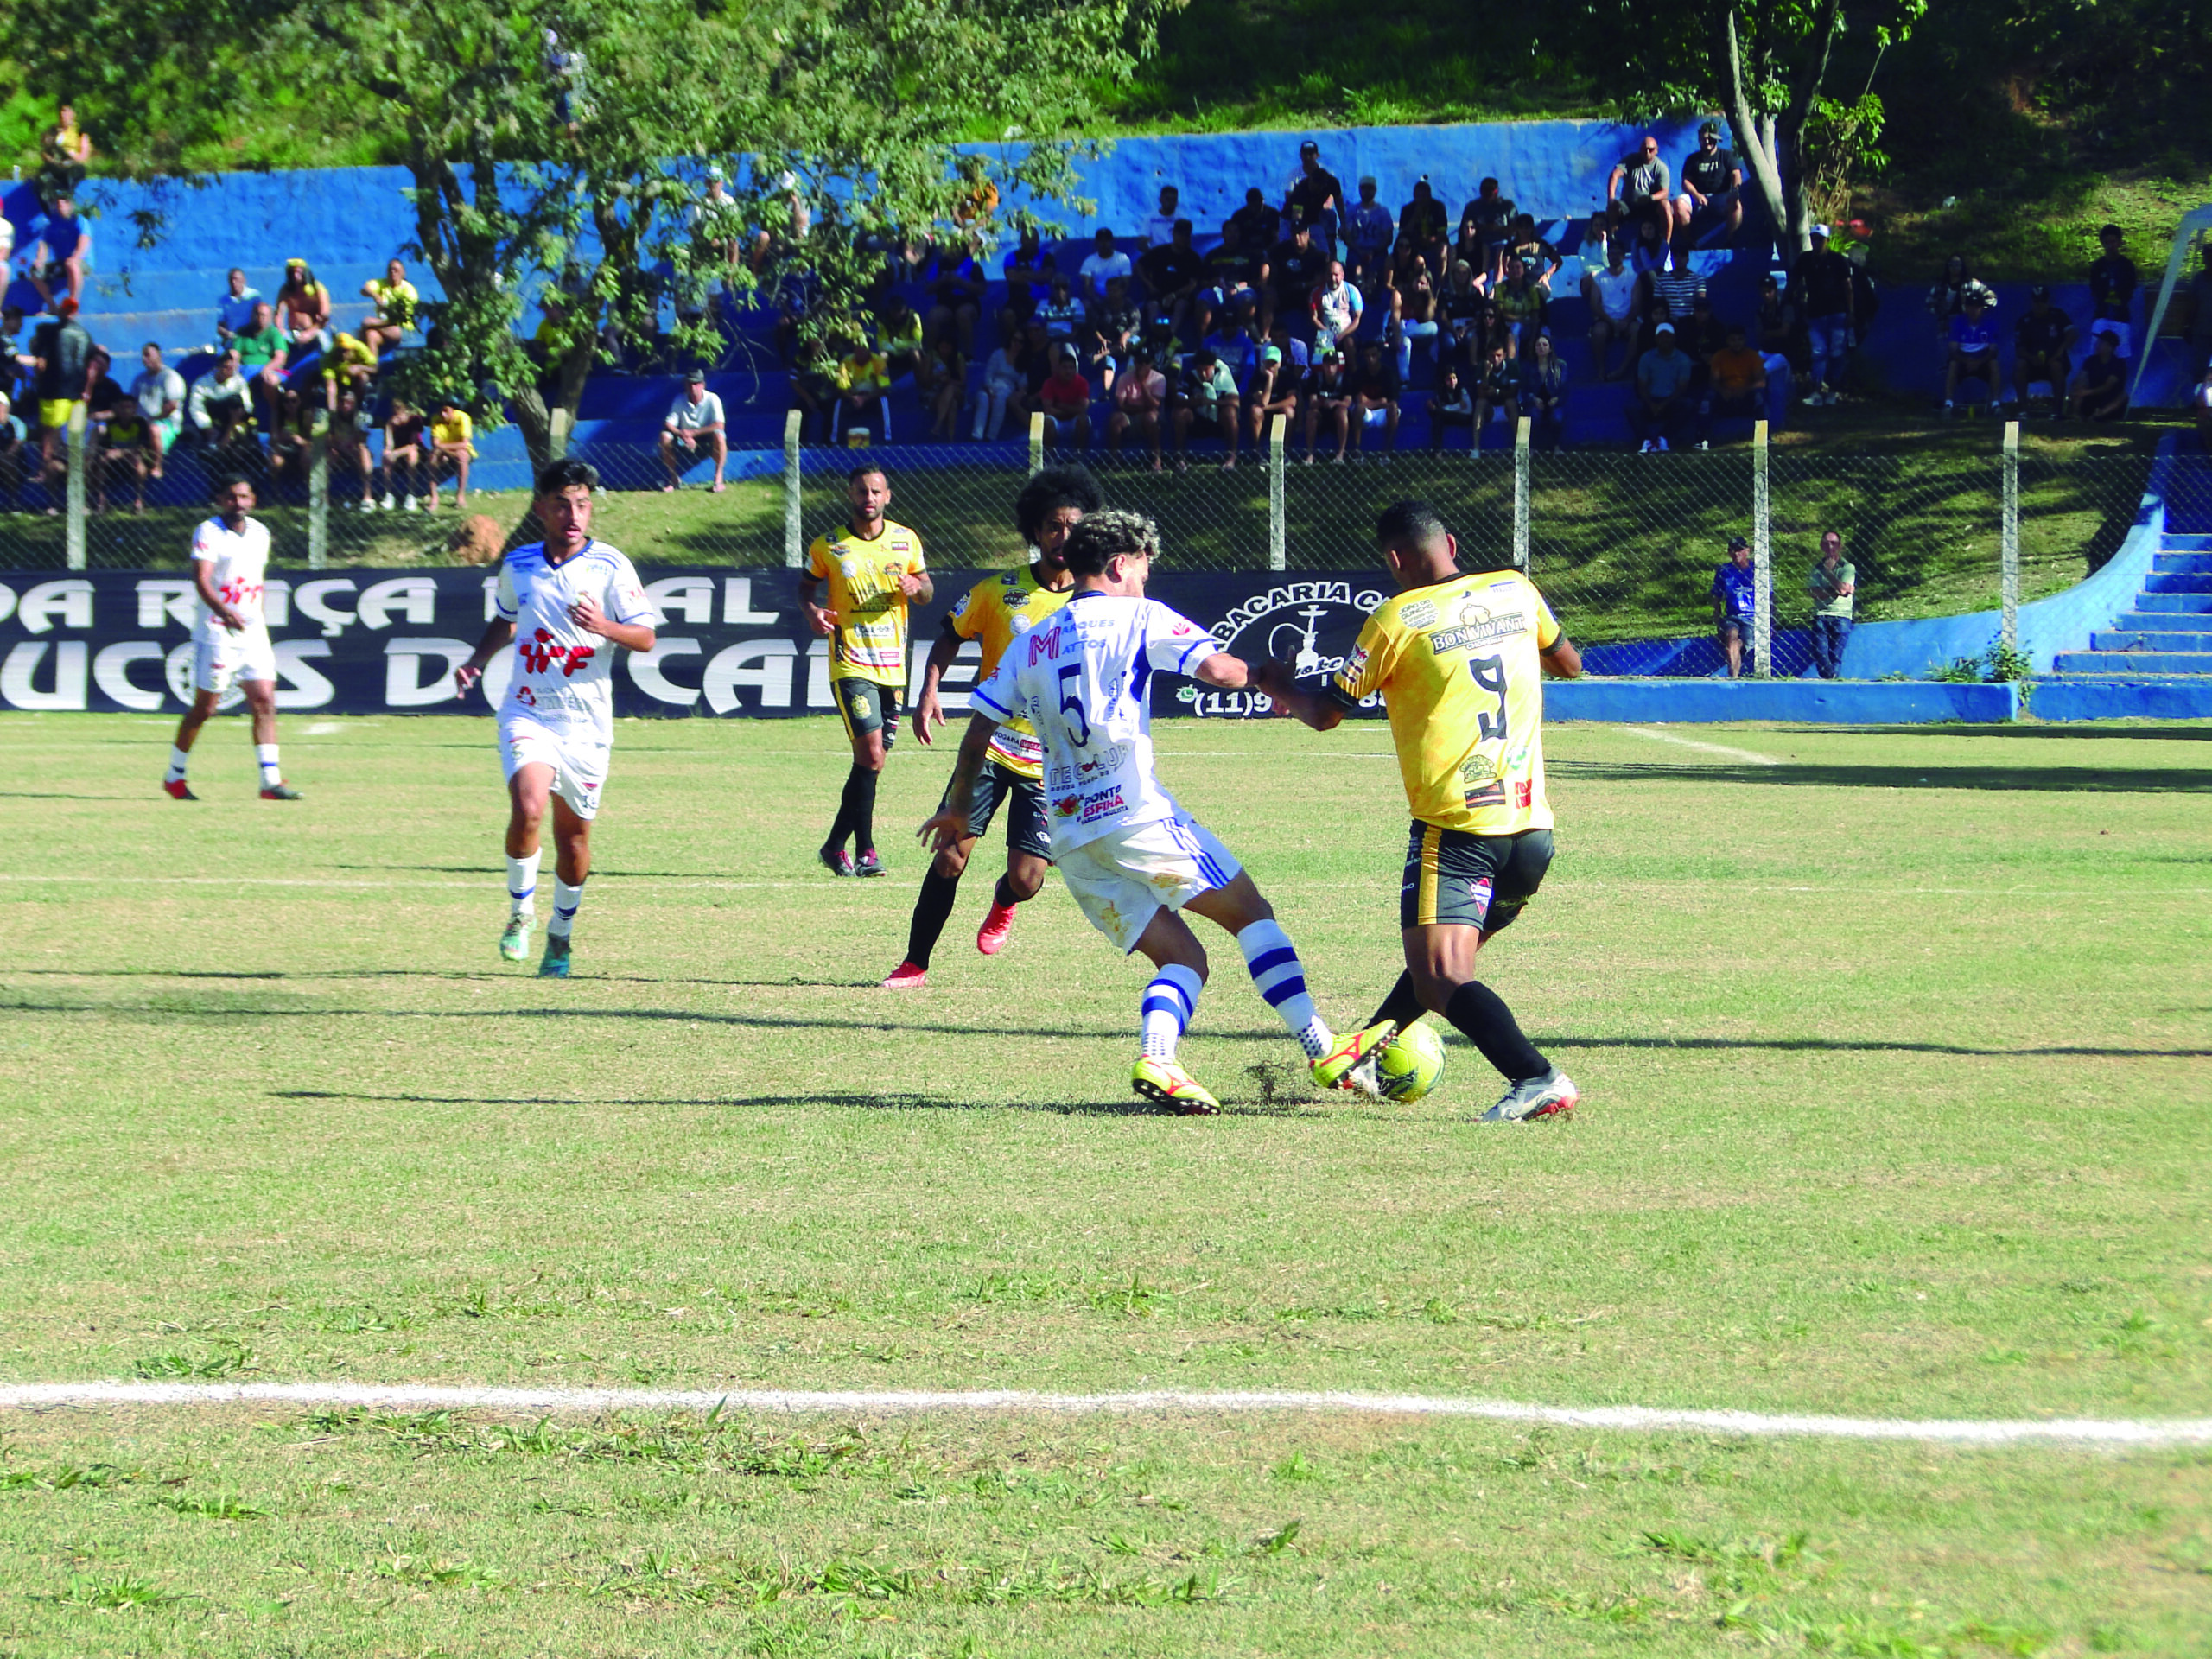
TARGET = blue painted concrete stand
x,y
1827,702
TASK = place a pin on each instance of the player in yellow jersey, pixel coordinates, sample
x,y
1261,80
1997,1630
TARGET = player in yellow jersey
x,y
874,571
996,612
1459,658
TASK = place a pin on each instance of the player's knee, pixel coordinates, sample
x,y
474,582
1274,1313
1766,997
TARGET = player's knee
x,y
951,862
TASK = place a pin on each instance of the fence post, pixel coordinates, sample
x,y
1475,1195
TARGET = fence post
x,y
794,545
1036,443
1762,565
319,492
2008,536
1278,508
74,497
1520,492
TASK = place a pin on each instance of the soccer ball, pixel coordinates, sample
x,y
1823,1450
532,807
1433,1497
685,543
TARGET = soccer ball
x,y
1411,1064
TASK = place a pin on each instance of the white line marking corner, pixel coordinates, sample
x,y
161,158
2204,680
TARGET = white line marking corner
x,y
1658,736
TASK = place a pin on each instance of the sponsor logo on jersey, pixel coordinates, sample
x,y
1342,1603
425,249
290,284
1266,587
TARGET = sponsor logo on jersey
x,y
1019,623
848,569
1104,804
1478,894
1104,764
1417,614
1477,631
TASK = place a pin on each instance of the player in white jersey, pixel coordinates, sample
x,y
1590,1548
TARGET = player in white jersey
x,y
1131,857
565,604
230,562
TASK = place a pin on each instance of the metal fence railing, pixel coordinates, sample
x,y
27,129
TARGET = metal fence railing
x,y
1624,544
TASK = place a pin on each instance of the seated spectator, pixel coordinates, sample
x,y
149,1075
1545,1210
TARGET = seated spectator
x,y
1336,308
980,198
1295,352
1062,313
1649,251
864,381
1947,297
956,291
1610,293
1318,196
1421,228
1066,400
1232,277
395,300
1970,353
347,446
159,390
1469,248
949,378
1035,359
1208,406
115,434
452,449
220,405
1465,310
1369,230
1172,275
1831,584
1003,392
1603,231
2043,349
1521,305
2099,390
694,422
1735,603
1114,330
1451,406
1491,213
1414,313
65,150
406,455
1736,383
1639,179
1258,225
234,310
1274,392
15,446
1661,403
1701,333
1029,272
716,220
1535,251
349,362
814,391
1140,402
302,306
1295,268
1326,396
1235,346
1160,229
898,337
1103,263
1375,398
2111,294
1781,335
1711,207
1496,379
57,267
1542,395
1826,297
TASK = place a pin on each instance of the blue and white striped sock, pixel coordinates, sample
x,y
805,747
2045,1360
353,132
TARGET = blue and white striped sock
x,y
1278,976
566,901
522,882
1169,1003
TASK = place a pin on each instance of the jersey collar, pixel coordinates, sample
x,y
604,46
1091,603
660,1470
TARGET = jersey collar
x,y
552,563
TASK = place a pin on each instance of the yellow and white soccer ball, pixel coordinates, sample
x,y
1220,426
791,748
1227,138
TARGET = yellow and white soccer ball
x,y
1411,1063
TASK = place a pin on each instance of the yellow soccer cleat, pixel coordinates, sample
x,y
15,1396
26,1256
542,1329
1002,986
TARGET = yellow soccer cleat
x,y
1172,1087
1336,1068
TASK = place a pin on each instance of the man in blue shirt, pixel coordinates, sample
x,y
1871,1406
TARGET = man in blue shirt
x,y
1973,351
234,310
1661,403
1735,603
57,266
1368,229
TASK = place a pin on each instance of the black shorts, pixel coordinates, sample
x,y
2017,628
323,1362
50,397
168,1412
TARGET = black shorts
x,y
1457,880
867,707
1024,798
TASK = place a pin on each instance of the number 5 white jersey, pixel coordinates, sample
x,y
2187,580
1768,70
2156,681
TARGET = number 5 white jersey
x,y
1084,682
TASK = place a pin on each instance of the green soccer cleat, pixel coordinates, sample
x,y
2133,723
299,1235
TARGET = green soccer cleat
x,y
1172,1087
1346,1065
514,943
555,962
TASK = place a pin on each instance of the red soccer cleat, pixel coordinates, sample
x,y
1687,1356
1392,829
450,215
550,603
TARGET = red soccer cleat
x,y
906,977
998,922
177,790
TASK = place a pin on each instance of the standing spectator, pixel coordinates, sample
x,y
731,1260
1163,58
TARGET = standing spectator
x,y
1416,313
694,422
1450,405
1542,394
395,300
1232,278
57,265
1209,406
1736,383
1711,204
347,445
1609,291
1421,228
1326,396
1821,282
715,220
1781,338
1657,407
1066,400
1375,398
864,379
1831,584
1735,603
1274,392
1637,178
2043,349
61,356
2101,389
1160,229
220,404
956,291
65,150
1140,401
2111,294
1295,268
1319,195
1172,275
1368,229
1496,380
1948,296
1336,309
406,454
1104,262
14,444
949,375
1492,214
1257,222
452,449
159,390
234,310
1970,353
1062,313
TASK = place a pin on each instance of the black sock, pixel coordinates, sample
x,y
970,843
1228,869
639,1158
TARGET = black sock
x,y
1003,896
1489,1024
856,811
1401,1005
932,909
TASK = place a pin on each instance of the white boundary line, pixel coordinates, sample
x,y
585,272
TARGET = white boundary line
x,y
2141,1432
1659,736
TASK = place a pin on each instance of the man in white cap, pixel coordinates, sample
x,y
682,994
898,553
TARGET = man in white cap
x,y
717,219
1820,280
1661,401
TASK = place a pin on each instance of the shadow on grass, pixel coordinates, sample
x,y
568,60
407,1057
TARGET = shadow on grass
x,y
1825,1045
2074,734
873,1102
2058,779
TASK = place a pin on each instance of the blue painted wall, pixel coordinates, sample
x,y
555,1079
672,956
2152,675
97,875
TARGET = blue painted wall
x,y
1823,702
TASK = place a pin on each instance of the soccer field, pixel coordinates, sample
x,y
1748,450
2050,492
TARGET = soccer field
x,y
1896,1054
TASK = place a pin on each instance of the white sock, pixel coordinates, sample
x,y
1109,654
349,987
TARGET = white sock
x,y
566,901
1169,1003
1280,977
178,761
522,882
266,754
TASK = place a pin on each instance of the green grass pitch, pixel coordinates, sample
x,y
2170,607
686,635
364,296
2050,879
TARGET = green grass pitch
x,y
1896,1051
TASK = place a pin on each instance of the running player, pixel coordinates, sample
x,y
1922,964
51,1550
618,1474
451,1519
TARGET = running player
x,y
874,571
1459,658
999,610
566,602
230,557
1130,856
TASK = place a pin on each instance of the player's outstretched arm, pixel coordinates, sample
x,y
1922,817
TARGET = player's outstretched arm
x,y
1561,660
950,826
1278,681
499,634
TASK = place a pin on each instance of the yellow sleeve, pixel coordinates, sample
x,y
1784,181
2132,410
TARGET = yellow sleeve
x,y
967,618
1367,668
818,559
1547,624
915,565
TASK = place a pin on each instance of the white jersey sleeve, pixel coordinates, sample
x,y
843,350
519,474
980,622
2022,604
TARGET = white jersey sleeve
x,y
624,598
506,601
998,696
1172,643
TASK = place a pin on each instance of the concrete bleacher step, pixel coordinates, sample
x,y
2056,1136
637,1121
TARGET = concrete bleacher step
x,y
2140,640
2195,623
2174,604
2178,582
2171,561
2134,662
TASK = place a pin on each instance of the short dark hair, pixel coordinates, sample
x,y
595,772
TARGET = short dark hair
x,y
1103,537
1409,525
867,469
2104,231
565,473
1050,489
1183,225
224,483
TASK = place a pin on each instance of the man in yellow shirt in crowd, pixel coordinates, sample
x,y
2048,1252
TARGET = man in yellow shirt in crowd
x,y
452,448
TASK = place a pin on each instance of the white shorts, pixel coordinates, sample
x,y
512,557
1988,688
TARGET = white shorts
x,y
1121,880
221,655
578,759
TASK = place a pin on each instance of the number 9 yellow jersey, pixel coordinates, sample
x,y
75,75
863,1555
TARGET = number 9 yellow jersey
x,y
1457,665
